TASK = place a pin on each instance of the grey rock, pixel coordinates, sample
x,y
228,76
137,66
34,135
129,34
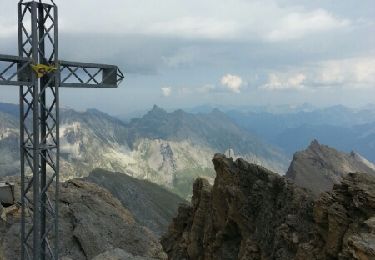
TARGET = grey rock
x,y
118,254
319,167
252,213
91,221
243,216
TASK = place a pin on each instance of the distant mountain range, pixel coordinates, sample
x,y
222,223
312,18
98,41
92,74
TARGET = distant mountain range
x,y
173,148
338,126
170,149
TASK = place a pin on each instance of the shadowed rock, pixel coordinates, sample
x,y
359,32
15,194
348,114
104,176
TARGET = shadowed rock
x,y
252,213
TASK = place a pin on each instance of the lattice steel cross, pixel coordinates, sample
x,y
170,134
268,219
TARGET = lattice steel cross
x,y
40,74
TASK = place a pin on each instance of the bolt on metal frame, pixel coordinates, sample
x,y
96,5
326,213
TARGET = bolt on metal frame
x,y
39,119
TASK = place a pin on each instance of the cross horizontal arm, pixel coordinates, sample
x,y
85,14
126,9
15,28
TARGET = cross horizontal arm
x,y
15,70
89,75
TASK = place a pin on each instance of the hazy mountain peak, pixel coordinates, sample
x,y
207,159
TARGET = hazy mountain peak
x,y
95,111
319,166
179,112
216,110
219,114
157,110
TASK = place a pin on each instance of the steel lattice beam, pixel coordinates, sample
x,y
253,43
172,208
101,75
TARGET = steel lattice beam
x,y
39,119
16,70
89,75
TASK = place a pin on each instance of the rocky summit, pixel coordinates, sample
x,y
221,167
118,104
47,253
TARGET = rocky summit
x,y
319,167
92,225
253,213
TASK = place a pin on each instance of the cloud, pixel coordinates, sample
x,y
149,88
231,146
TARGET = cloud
x,y
166,91
194,90
195,27
210,19
352,73
8,31
341,73
284,82
182,56
296,25
232,82
206,88
190,42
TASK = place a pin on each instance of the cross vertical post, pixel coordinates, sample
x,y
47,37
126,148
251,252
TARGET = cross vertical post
x,y
39,143
39,74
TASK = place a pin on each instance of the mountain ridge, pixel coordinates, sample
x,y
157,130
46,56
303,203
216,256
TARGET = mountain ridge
x,y
319,167
170,149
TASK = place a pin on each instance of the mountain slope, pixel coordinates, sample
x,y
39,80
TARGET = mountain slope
x,y
214,130
9,143
151,205
319,167
91,222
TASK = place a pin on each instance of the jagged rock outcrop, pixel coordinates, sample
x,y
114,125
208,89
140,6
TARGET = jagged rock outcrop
x,y
319,167
345,218
91,222
252,213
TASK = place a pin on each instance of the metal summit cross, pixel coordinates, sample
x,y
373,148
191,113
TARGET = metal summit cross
x,y
39,74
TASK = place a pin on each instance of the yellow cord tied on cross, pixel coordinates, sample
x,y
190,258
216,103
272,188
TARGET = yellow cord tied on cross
x,y
41,70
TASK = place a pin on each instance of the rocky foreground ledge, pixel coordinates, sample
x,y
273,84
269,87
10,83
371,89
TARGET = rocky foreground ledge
x,y
252,213
92,225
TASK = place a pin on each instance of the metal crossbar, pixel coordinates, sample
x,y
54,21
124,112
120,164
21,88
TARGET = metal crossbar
x,y
39,74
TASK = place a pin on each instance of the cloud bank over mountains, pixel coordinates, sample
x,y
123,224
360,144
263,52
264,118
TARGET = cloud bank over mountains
x,y
210,51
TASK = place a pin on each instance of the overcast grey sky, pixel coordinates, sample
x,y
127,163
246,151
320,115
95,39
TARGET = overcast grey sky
x,y
185,53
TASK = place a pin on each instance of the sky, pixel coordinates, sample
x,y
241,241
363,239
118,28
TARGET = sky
x,y
177,53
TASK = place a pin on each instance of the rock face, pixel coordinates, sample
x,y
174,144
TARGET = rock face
x,y
345,218
151,205
319,167
252,213
119,254
91,222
